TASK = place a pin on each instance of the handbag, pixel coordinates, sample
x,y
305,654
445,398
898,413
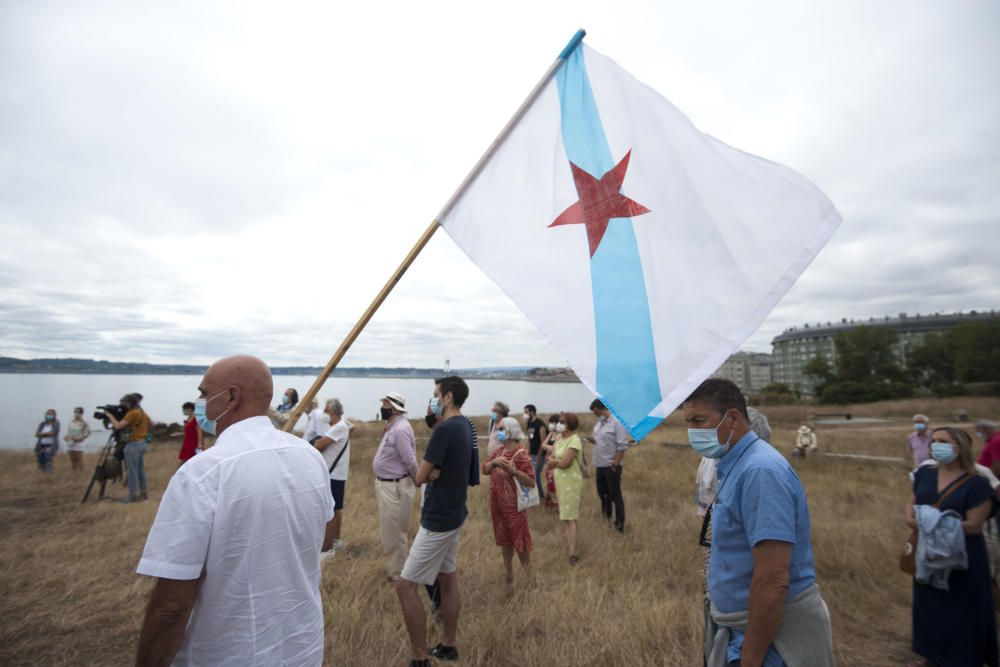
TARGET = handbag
x,y
908,559
527,496
584,466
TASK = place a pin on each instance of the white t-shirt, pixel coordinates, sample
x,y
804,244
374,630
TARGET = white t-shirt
x,y
248,514
317,422
340,433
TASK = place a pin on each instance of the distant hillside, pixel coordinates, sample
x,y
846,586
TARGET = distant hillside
x,y
100,367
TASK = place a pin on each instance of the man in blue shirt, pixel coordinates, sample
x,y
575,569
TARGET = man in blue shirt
x,y
447,470
765,603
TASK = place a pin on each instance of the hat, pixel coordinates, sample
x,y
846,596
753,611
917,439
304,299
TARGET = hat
x,y
803,429
396,400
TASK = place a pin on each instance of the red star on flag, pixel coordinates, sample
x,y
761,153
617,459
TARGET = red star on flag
x,y
600,201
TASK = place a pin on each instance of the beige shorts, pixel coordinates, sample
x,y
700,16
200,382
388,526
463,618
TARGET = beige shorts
x,y
430,555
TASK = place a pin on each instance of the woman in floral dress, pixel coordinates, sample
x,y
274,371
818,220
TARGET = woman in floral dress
x,y
507,466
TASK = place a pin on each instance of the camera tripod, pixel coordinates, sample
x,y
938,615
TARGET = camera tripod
x,y
103,472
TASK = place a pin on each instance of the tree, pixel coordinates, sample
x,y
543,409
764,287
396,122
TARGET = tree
x,y
819,368
865,353
976,348
933,363
867,368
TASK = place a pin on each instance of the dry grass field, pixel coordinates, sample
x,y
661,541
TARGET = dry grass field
x,y
69,594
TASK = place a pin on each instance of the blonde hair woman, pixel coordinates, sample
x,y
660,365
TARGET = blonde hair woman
x,y
955,626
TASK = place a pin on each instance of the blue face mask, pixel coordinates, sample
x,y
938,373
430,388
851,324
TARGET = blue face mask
x,y
501,436
706,441
495,415
436,408
943,452
920,426
207,425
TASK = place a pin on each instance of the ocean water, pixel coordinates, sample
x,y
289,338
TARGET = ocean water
x,y
26,397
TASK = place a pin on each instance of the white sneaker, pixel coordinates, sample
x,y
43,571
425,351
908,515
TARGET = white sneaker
x,y
325,556
338,544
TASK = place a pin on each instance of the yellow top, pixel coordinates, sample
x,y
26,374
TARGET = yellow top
x,y
137,420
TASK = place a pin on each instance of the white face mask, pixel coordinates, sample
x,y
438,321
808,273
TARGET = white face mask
x,y
560,428
527,417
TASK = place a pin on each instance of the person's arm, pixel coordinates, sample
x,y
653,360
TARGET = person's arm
x,y
911,518
768,592
621,445
86,432
167,614
566,460
424,473
543,433
521,469
976,517
323,443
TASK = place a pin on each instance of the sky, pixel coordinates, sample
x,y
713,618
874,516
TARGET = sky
x,y
181,181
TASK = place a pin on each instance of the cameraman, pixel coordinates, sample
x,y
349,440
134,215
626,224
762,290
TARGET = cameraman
x,y
135,451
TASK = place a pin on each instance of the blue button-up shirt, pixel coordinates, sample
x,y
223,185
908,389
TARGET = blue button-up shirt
x,y
760,498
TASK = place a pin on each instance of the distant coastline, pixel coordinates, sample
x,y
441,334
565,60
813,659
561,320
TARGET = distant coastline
x,y
100,367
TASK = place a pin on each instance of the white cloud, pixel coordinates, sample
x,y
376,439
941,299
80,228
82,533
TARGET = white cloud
x,y
179,182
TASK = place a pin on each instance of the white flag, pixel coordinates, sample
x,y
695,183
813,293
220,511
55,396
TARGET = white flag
x,y
645,250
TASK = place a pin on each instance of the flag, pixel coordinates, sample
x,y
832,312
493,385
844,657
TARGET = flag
x,y
645,250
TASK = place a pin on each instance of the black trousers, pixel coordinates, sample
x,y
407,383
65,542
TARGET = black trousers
x,y
609,490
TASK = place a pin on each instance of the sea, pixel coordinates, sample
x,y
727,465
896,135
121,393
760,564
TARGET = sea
x,y
26,397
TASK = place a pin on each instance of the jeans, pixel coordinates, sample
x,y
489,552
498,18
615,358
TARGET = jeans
x,y
44,458
135,459
538,462
609,490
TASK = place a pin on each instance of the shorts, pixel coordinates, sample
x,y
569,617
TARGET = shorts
x,y
337,489
431,554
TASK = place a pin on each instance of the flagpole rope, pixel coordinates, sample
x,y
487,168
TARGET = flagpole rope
x,y
429,232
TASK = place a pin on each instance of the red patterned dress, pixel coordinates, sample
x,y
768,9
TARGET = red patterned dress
x,y
510,527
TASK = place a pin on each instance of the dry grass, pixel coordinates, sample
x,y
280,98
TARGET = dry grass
x,y
69,595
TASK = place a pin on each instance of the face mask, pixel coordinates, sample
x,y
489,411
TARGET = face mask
x,y
501,436
49,418
436,407
527,417
943,452
496,415
560,428
920,427
385,413
706,441
553,427
207,425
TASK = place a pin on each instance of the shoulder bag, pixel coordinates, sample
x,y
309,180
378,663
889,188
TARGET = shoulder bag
x,y
908,559
342,450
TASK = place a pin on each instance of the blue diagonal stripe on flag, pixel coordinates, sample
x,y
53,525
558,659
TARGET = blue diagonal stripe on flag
x,y
627,377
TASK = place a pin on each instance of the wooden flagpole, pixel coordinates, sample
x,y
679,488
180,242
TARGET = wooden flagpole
x,y
429,232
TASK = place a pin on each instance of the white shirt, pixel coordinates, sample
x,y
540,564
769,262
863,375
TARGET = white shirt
x,y
247,514
316,423
340,433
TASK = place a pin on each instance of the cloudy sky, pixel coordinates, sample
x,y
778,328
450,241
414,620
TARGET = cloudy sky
x,y
184,180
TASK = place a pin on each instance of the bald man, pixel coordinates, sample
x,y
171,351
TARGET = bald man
x,y
236,542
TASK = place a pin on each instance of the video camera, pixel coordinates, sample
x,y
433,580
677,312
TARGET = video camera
x,y
117,411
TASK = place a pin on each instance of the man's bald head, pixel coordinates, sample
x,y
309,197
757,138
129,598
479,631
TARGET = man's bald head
x,y
237,388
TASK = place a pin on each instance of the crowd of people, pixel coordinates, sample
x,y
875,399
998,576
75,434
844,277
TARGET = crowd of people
x,y
245,526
